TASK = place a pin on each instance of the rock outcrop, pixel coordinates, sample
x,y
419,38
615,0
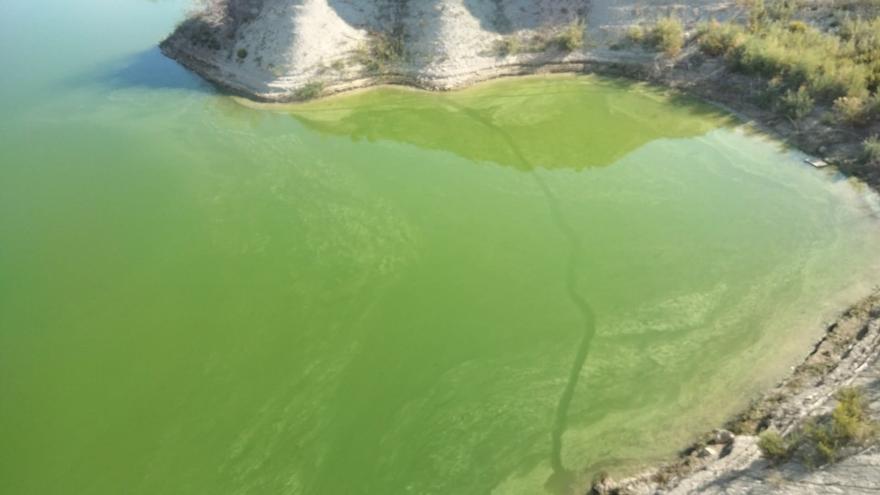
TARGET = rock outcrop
x,y
281,50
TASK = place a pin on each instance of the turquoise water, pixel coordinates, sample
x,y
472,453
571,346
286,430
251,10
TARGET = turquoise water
x,y
501,290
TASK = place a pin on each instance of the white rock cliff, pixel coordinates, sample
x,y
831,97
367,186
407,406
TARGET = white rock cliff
x,y
280,50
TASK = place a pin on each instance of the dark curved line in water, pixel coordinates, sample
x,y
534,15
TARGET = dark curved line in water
x,y
560,422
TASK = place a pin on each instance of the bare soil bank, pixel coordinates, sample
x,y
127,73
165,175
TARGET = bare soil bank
x,y
284,50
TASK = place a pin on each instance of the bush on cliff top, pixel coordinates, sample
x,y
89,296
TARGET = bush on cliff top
x,y
310,91
571,38
379,51
796,104
718,39
824,439
666,35
830,65
774,447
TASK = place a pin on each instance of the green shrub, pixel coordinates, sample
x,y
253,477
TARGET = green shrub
x,y
761,12
782,10
571,38
818,444
667,36
757,13
851,421
862,39
379,51
852,110
798,27
850,424
823,440
635,34
242,53
509,45
310,91
200,33
796,104
568,39
802,57
717,39
862,33
386,47
773,447
871,148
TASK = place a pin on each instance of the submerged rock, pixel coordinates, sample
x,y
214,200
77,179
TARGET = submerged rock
x,y
723,437
706,452
603,485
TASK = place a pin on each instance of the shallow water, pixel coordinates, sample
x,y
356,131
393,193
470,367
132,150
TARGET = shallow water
x,y
498,290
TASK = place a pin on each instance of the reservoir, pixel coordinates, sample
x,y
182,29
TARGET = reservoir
x,y
502,290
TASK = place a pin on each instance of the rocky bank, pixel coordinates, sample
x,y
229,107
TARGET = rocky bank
x,y
722,462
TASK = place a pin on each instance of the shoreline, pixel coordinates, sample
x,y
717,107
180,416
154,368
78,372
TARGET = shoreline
x,y
710,82
575,65
849,345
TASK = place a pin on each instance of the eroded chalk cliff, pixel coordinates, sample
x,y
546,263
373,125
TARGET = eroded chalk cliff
x,y
280,50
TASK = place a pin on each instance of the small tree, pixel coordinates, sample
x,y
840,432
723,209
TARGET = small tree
x,y
757,13
509,45
851,110
773,446
635,34
668,36
719,39
850,417
571,38
825,439
796,104
310,91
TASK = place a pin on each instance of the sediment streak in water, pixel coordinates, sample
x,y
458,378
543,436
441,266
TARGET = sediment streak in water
x,y
561,478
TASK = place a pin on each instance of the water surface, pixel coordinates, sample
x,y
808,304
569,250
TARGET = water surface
x,y
499,290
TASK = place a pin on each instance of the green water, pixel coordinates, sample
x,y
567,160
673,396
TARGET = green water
x,y
496,291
